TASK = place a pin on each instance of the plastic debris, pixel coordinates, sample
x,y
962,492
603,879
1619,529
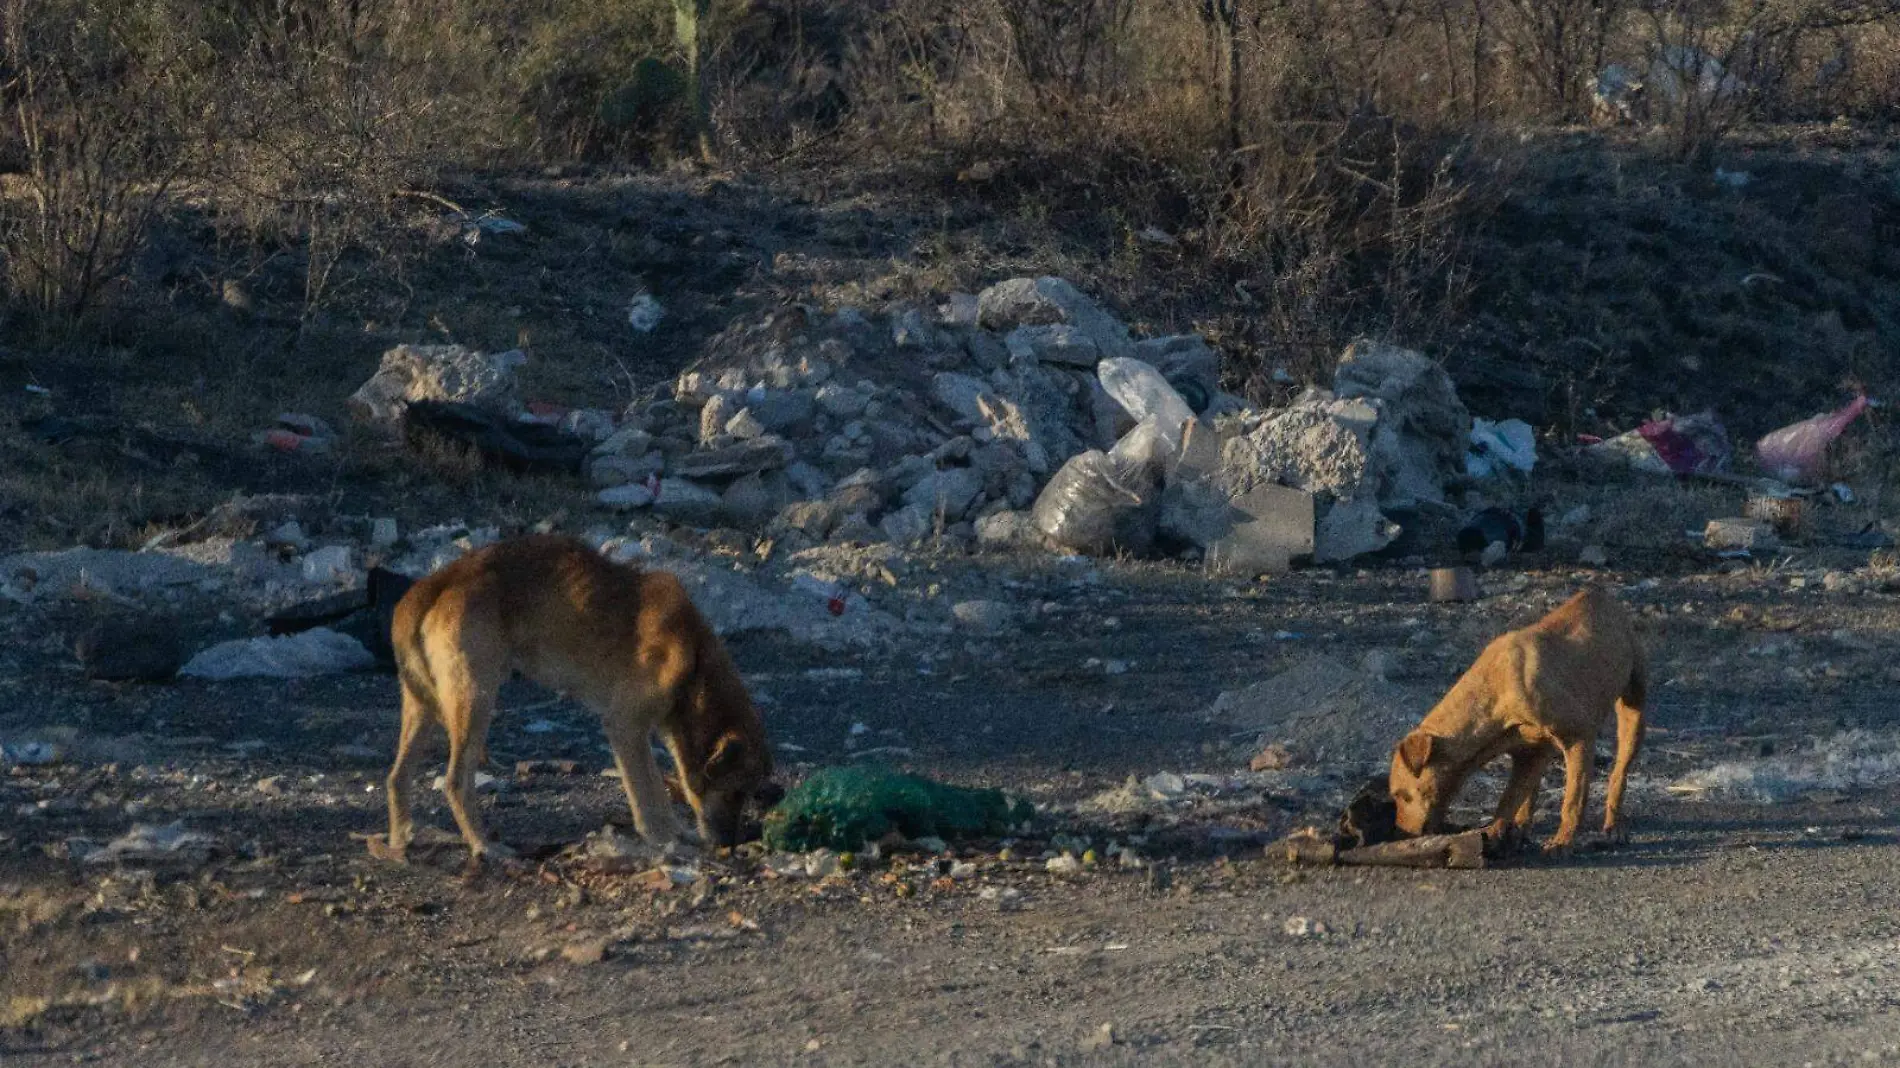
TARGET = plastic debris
x,y
1674,445
1797,452
146,843
845,808
1500,448
319,651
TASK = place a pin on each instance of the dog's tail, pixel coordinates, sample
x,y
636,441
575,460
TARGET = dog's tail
x,y
1636,689
405,639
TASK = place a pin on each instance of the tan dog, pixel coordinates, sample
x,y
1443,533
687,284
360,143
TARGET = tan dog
x,y
1533,692
626,643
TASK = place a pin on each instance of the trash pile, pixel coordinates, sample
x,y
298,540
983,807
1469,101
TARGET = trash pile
x,y
1022,416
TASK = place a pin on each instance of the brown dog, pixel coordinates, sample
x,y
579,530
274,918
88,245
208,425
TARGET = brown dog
x,y
1543,689
626,643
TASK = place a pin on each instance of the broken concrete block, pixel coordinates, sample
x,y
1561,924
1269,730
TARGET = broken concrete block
x,y
614,469
687,502
1319,447
908,525
1048,301
1007,530
1056,343
1423,429
950,492
1274,527
1352,528
966,397
767,453
450,373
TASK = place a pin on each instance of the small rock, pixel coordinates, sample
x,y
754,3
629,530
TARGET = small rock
x,y
288,536
1007,530
330,565
984,617
624,497
687,502
1303,927
271,786
1099,1039
588,951
1493,554
767,453
1066,864
383,533
1593,556
1273,758
744,425
1380,664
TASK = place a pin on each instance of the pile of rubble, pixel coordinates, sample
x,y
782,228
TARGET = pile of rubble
x,y
1022,416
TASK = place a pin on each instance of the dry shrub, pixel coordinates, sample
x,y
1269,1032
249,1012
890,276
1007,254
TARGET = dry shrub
x,y
97,143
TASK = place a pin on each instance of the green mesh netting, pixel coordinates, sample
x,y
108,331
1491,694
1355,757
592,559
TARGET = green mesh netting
x,y
843,808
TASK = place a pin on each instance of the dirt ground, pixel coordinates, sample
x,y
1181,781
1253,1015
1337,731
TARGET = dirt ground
x,y
1731,929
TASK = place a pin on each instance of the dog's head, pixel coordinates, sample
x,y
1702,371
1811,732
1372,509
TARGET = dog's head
x,y
738,770
1419,784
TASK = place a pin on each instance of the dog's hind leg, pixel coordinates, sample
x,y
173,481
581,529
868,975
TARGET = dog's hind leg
x,y
1629,743
417,715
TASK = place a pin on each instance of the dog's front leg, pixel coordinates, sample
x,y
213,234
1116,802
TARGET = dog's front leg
x,y
640,778
1519,802
1578,758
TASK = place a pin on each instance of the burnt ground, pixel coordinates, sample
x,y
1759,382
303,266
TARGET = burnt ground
x,y
1729,930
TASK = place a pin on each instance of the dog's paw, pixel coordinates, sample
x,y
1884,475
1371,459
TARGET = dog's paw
x,y
1556,849
379,847
1616,836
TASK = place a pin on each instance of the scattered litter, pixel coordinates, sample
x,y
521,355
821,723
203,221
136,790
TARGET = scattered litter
x,y
1498,448
319,651
1798,452
1850,760
644,313
483,782
479,436
145,843
1451,584
1674,445
1304,927
293,432
32,754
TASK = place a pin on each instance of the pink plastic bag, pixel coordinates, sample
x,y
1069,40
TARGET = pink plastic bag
x,y
1796,452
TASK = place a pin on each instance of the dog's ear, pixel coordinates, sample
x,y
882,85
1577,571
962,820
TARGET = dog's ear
x,y
1416,751
728,759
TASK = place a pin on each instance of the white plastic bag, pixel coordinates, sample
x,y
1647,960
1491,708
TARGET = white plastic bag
x,y
1094,505
1146,395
